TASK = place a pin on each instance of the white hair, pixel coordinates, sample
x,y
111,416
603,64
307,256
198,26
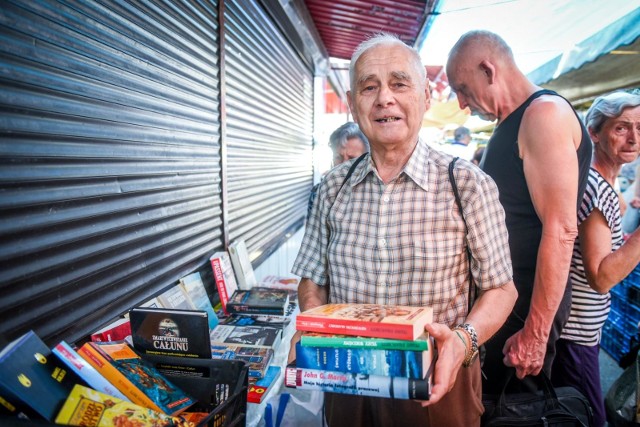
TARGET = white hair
x,y
380,39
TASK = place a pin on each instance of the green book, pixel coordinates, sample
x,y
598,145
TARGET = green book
x,y
316,339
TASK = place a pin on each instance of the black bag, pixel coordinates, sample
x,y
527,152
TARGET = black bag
x,y
562,406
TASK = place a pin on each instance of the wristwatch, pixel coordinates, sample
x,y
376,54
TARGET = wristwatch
x,y
471,355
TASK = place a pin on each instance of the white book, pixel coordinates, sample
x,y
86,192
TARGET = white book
x,y
245,276
176,298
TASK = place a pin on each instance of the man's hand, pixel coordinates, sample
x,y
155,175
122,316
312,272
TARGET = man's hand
x,y
292,350
525,352
635,202
451,352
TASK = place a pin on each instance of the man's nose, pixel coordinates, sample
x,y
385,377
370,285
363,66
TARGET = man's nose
x,y
462,102
385,95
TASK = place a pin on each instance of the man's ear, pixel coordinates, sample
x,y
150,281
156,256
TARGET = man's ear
x,y
427,94
489,70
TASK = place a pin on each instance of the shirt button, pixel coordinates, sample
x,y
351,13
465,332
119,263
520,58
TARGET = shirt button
x,y
383,243
386,199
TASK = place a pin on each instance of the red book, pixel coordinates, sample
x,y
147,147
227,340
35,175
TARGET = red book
x,y
224,277
116,331
366,320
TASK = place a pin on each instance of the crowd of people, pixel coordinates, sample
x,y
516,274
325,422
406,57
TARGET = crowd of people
x,y
539,241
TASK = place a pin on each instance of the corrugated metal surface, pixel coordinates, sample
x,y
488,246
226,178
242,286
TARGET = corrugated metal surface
x,y
344,24
109,157
269,95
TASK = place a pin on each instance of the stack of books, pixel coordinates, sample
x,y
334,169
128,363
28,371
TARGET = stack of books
x,y
364,349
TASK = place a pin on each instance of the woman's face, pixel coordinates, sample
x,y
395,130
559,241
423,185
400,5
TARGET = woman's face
x,y
619,138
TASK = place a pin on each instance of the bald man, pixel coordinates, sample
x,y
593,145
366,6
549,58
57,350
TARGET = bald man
x,y
539,157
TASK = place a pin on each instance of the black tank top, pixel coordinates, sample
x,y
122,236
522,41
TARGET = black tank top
x,y
502,162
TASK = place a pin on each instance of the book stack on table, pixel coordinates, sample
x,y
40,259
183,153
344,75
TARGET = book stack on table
x,y
364,349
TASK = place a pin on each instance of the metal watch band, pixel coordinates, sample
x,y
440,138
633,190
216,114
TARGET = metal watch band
x,y
473,335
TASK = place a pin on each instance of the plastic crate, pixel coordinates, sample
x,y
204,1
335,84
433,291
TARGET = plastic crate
x,y
219,386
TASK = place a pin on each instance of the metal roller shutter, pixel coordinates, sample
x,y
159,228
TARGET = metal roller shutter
x,y
109,157
269,120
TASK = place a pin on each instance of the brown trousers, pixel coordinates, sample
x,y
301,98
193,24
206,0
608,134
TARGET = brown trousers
x,y
461,407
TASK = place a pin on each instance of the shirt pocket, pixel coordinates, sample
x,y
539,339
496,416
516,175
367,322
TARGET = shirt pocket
x,y
439,257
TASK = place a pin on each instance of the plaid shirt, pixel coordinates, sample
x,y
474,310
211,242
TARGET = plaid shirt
x,y
404,242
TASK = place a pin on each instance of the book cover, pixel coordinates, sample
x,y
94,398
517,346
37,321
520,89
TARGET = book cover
x,y
224,276
242,267
391,363
259,301
358,384
250,336
280,282
32,380
317,339
257,359
168,332
90,408
257,319
176,298
115,331
367,320
84,370
135,378
194,288
259,388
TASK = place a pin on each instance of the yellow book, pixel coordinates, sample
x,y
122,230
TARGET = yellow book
x,y
137,380
89,408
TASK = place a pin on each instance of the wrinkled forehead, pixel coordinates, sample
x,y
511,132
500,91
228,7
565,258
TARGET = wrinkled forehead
x,y
387,60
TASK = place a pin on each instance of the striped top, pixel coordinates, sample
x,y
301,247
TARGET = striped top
x,y
589,309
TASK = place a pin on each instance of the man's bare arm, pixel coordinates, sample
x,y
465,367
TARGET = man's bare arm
x,y
547,143
310,295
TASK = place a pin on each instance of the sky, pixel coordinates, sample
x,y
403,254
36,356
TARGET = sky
x,y
536,30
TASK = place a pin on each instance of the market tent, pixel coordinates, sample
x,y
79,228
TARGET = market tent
x,y
606,61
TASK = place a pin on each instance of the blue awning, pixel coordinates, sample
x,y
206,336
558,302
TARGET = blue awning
x,y
608,60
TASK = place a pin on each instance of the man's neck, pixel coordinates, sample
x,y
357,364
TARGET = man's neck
x,y
390,161
515,96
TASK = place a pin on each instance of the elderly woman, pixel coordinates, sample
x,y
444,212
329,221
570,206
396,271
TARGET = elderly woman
x,y
600,259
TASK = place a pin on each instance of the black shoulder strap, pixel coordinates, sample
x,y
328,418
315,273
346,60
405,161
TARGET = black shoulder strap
x,y
454,186
351,169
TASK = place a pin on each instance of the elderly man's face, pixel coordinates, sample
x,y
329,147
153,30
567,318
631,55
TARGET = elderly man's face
x,y
470,85
389,100
354,147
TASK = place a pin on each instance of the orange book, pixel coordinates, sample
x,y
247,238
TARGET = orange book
x,y
366,320
135,378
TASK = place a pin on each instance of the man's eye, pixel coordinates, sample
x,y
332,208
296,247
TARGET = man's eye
x,y
369,88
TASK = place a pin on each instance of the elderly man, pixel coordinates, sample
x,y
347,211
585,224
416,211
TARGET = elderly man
x,y
392,234
539,157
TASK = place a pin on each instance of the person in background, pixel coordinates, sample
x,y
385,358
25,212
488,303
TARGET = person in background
x,y
346,142
600,259
539,156
392,234
461,146
477,156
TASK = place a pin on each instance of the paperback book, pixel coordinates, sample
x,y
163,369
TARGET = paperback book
x,y
367,320
280,282
259,388
392,363
257,359
89,408
139,381
33,381
167,332
194,288
84,370
242,267
257,320
358,384
250,336
176,298
117,330
316,339
259,301
224,277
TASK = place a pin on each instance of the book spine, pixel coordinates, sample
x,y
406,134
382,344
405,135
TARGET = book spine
x,y
357,384
216,265
352,327
113,375
249,309
358,342
391,363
